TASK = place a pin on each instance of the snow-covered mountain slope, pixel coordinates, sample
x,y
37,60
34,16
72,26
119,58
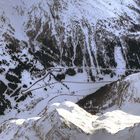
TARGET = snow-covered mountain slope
x,y
93,39
123,94
67,121
58,50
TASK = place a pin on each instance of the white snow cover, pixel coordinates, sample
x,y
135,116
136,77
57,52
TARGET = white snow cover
x,y
35,121
17,13
69,122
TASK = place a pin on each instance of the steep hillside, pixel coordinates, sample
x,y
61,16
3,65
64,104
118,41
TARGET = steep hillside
x,y
46,41
63,50
123,95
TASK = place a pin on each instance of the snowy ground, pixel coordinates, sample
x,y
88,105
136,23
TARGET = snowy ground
x,y
55,93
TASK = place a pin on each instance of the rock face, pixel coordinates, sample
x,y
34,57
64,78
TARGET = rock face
x,y
67,121
98,37
123,94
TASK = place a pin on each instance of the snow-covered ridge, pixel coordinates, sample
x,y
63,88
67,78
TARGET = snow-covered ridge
x,y
69,121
